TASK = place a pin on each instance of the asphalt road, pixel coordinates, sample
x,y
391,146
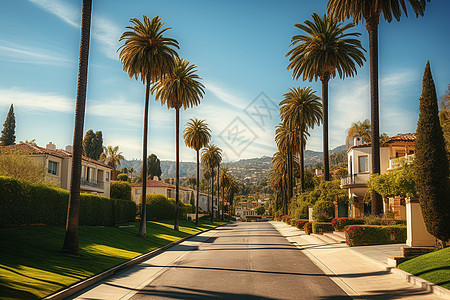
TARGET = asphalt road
x,y
243,261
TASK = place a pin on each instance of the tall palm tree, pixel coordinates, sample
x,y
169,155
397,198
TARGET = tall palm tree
x,y
70,245
224,182
149,55
206,173
358,128
370,11
288,142
211,157
197,135
325,49
181,88
112,157
301,110
232,190
280,176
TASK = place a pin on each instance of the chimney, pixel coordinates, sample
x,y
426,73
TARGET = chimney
x,y
50,146
357,140
69,148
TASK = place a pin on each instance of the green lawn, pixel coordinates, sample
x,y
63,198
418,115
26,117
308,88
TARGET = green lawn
x,y
32,265
434,267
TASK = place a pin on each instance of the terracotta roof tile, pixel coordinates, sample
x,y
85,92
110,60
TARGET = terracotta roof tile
x,y
409,137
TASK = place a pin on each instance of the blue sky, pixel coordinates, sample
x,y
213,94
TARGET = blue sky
x,y
239,49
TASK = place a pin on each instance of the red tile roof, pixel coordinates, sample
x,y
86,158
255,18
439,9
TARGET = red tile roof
x,y
409,137
32,149
155,183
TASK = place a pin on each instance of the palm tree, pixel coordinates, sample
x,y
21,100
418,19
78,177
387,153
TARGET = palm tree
x,y
232,190
112,157
318,55
359,128
224,182
197,135
180,88
206,173
149,55
301,110
211,157
70,245
279,176
370,11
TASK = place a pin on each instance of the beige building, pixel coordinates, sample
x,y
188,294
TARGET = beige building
x,y
57,164
396,152
159,187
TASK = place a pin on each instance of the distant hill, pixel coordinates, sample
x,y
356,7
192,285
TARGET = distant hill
x,y
249,170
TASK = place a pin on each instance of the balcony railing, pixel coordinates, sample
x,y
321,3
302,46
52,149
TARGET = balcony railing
x,y
398,162
91,183
348,180
354,179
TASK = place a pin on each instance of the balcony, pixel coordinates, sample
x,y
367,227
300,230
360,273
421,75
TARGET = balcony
x,y
398,162
92,184
354,180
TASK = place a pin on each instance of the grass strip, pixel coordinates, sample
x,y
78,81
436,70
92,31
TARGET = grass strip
x,y
32,265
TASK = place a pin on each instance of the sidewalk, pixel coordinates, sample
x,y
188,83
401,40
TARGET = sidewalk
x,y
360,272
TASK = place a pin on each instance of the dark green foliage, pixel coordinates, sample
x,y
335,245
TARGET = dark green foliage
x,y
323,210
321,227
122,177
308,228
159,207
300,223
93,144
154,166
120,190
432,169
9,128
24,203
340,223
401,182
260,210
363,235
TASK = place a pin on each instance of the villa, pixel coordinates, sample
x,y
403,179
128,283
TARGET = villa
x,y
159,187
394,153
57,163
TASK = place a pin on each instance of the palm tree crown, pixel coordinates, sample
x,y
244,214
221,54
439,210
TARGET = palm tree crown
x,y
211,156
111,156
181,87
359,128
325,50
196,135
146,53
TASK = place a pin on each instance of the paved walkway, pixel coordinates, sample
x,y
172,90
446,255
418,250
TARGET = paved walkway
x,y
360,271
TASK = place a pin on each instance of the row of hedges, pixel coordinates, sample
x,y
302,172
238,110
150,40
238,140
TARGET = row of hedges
x,y
24,203
340,223
321,227
120,189
160,208
363,235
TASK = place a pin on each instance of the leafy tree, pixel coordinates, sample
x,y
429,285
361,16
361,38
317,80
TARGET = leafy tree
x,y
370,11
149,55
154,167
260,210
30,142
325,49
9,128
181,88
197,135
432,168
21,166
93,144
70,245
122,177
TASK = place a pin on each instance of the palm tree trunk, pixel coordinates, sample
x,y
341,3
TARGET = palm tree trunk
x,y
177,169
218,191
198,187
223,199
326,162
70,245
372,28
291,175
302,175
143,224
212,195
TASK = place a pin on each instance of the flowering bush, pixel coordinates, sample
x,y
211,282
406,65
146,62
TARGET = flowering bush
x,y
340,223
292,222
321,227
307,227
300,223
285,218
362,235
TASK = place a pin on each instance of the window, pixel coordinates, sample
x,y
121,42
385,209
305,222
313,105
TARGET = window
x,y
52,167
363,162
136,191
107,176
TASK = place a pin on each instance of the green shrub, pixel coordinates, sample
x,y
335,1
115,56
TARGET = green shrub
x,y
321,227
323,210
120,190
159,207
308,228
292,222
340,223
301,212
300,223
96,210
122,177
362,235
124,211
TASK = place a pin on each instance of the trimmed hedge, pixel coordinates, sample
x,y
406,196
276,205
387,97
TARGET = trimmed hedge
x,y
161,208
340,223
308,228
292,222
321,227
120,190
25,203
363,235
300,223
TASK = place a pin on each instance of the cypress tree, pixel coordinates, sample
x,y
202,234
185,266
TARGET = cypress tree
x,y
9,128
89,144
98,145
431,163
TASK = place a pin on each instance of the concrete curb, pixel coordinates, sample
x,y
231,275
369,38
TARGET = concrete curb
x,y
417,281
73,289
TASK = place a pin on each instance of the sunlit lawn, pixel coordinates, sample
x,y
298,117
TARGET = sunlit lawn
x,y
32,265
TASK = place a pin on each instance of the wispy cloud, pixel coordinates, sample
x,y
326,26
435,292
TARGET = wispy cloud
x,y
104,31
231,98
13,52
